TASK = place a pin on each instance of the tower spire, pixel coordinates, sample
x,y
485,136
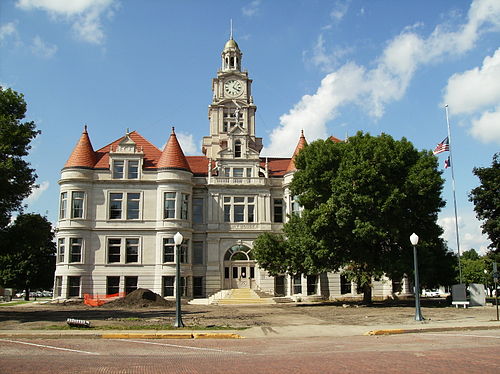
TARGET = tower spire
x,y
231,29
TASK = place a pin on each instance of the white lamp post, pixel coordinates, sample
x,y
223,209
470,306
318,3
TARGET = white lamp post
x,y
418,313
178,318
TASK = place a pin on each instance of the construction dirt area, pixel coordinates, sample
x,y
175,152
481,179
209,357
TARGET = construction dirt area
x,y
138,313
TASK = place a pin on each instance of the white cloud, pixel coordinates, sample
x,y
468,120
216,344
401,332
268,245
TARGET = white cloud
x,y
339,10
487,127
476,92
475,89
251,9
326,61
84,15
37,192
387,81
469,229
42,49
7,30
189,147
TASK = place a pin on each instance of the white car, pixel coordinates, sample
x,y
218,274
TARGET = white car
x,y
430,293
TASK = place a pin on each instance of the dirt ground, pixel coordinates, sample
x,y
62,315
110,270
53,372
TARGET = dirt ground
x,y
42,316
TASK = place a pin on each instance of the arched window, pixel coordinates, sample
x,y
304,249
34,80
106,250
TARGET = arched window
x,y
238,252
237,148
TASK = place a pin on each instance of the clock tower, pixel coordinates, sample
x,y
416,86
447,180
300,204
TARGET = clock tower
x,y
232,112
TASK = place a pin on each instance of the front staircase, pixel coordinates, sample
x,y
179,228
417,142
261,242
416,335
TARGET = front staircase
x,y
242,296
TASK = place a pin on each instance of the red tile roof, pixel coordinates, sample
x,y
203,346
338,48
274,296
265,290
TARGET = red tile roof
x,y
151,153
172,156
301,144
83,155
335,140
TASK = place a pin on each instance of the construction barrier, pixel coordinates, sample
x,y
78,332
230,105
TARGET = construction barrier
x,y
98,300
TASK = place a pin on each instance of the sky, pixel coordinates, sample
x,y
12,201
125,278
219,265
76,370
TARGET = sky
x,y
327,67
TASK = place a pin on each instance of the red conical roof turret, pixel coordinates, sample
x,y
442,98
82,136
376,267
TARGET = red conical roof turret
x,y
83,155
302,143
172,156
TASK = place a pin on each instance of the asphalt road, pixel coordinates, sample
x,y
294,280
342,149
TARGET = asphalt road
x,y
446,352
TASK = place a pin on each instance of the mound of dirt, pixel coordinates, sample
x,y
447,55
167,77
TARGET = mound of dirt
x,y
141,298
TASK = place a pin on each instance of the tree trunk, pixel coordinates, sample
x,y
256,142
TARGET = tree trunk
x,y
27,294
367,293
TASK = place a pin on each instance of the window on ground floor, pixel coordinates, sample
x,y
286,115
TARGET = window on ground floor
x,y
58,287
130,284
73,286
345,285
297,284
112,285
168,286
198,287
312,284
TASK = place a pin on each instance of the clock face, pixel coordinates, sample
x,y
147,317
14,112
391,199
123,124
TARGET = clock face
x,y
233,87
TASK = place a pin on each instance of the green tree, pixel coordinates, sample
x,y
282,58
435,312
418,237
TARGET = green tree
x,y
362,200
29,261
486,199
16,177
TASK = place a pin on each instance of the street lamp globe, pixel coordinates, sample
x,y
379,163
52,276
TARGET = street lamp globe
x,y
178,238
414,239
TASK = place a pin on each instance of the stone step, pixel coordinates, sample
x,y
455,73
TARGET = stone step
x,y
242,296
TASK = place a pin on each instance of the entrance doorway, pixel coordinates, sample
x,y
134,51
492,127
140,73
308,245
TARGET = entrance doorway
x,y
239,268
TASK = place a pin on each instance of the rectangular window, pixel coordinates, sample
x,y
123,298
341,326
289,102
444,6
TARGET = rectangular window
x,y
63,206
278,210
60,250
112,285
73,286
118,167
197,253
238,172
58,287
114,250
75,247
184,206
345,285
184,250
226,272
133,205
312,284
131,250
130,284
227,209
115,205
252,272
77,199
197,210
249,172
297,283
133,170
239,209
168,286
227,172
294,205
235,272
183,286
168,250
169,205
198,287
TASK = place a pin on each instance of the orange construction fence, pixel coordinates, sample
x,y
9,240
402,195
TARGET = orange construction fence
x,y
98,300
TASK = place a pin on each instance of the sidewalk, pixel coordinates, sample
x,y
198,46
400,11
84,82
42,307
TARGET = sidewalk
x,y
292,331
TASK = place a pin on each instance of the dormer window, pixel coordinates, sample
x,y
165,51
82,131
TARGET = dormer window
x,y
125,169
237,148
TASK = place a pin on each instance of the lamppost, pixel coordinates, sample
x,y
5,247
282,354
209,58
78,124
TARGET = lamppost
x,y
418,313
178,318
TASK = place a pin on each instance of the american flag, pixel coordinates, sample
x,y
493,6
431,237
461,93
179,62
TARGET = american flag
x,y
442,147
447,162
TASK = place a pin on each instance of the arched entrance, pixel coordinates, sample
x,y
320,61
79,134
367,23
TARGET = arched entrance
x,y
239,267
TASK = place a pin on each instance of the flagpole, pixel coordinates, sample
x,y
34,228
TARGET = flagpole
x,y
454,195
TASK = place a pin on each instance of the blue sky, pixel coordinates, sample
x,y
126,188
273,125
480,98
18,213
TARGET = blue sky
x,y
328,67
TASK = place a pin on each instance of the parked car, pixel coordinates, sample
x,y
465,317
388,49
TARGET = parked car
x,y
430,293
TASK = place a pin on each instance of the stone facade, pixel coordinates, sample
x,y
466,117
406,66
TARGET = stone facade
x,y
121,205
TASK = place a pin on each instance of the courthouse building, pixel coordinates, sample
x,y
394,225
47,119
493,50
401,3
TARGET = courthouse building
x,y
121,205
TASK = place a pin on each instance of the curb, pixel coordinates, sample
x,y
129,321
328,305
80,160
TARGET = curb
x,y
430,329
107,335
